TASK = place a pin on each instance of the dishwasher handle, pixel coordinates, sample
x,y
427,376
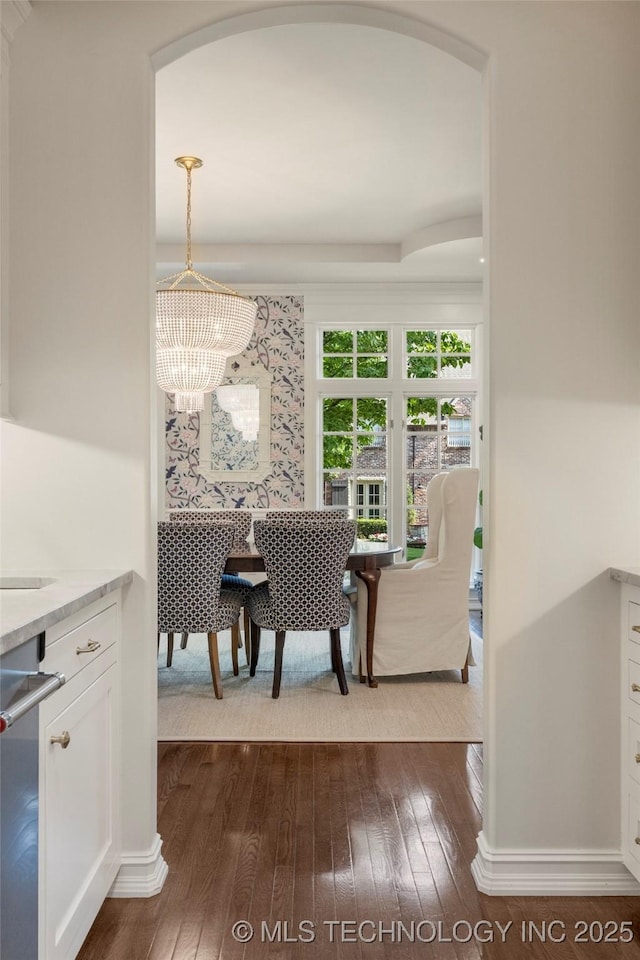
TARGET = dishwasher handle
x,y
41,685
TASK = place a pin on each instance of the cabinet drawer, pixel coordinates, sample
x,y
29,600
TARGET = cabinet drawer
x,y
634,621
633,680
633,750
76,649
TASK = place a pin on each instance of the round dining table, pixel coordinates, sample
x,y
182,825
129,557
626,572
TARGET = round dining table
x,y
366,559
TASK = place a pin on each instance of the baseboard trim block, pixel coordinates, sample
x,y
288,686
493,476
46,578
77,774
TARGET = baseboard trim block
x,y
141,874
551,873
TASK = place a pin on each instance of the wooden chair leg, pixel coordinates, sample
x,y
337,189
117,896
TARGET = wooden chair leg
x,y
255,648
215,664
277,668
360,673
183,641
336,657
247,635
465,671
158,641
235,642
169,649
333,653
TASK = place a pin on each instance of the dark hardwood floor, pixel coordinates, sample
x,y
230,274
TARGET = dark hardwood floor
x,y
291,837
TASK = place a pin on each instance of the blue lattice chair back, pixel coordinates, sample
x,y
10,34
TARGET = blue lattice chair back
x,y
191,599
305,563
295,515
241,519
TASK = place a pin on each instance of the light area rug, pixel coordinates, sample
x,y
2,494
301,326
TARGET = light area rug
x,y
425,707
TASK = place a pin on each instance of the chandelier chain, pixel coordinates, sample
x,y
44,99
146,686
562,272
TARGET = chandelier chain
x,y
189,260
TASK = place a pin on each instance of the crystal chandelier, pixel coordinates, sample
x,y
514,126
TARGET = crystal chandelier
x,y
198,325
242,402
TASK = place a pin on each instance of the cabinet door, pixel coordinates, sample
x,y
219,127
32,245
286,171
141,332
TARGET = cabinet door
x,y
79,842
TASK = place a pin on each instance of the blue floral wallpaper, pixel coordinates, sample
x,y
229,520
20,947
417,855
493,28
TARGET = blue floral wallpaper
x,y
277,343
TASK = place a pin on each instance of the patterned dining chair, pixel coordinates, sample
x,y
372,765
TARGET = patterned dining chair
x,y
305,564
306,514
241,519
191,558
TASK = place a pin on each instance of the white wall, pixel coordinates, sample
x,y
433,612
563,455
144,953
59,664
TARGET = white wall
x,y
564,342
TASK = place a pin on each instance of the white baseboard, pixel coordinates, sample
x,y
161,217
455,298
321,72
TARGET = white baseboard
x,y
141,874
551,873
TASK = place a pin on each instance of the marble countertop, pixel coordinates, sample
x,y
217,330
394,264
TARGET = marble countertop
x,y
629,575
26,613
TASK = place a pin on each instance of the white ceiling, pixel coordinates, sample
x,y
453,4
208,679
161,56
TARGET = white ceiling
x,y
360,144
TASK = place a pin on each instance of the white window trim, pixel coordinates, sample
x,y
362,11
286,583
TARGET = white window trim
x,y
414,307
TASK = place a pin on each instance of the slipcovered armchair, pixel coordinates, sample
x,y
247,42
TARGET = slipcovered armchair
x,y
422,618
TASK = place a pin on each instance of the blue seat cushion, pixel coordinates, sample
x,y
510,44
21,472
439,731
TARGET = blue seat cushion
x,y
231,581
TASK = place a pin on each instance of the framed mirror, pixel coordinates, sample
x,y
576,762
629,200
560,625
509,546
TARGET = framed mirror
x,y
235,425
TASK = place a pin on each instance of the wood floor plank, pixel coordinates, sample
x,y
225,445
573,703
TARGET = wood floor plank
x,y
344,882
365,890
381,850
324,906
362,833
221,858
234,904
304,840
263,888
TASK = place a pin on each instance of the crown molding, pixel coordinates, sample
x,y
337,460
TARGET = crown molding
x,y
13,13
468,293
394,293
282,253
387,294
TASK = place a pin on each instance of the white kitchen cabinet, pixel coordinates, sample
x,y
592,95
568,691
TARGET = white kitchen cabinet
x,y
631,728
79,848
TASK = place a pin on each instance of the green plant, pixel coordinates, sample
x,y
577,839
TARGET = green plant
x,y
477,533
368,526
414,553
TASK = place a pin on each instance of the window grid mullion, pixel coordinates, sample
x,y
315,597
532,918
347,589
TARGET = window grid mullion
x,y
395,389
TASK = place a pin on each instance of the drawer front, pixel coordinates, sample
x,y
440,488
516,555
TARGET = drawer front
x,y
633,750
634,621
76,649
633,680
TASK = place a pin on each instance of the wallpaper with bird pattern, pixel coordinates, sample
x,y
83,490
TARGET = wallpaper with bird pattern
x,y
278,344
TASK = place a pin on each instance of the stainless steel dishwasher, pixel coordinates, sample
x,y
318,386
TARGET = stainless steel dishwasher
x,y
22,688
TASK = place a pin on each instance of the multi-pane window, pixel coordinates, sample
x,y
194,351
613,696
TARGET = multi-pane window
x,y
391,418
429,450
459,431
354,354
438,353
354,454
369,499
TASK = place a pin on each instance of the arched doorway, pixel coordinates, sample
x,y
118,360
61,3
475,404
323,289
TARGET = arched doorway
x,y
347,16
